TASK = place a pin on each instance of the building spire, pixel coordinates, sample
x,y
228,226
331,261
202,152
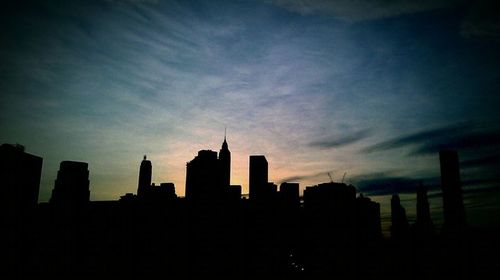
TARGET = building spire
x,y
145,157
224,144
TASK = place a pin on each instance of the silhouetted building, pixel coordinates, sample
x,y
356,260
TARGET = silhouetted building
x,y
147,191
209,177
128,197
203,177
272,190
225,164
71,189
329,194
453,206
165,191
368,224
19,179
258,178
145,173
400,227
424,225
234,192
329,226
289,193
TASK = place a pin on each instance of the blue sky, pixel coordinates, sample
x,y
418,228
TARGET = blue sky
x,y
371,88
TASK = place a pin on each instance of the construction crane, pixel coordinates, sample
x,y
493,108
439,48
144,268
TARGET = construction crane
x,y
343,177
331,180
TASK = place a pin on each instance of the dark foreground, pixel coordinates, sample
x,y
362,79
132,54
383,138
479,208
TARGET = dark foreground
x,y
240,240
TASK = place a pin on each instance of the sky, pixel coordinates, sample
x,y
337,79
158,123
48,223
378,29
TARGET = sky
x,y
370,89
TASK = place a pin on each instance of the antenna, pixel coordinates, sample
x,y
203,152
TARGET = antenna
x,y
225,127
343,177
331,180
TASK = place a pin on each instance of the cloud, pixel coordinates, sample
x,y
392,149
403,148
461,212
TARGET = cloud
x,y
419,137
467,140
482,21
337,142
391,182
302,177
383,183
482,161
360,10
134,1
462,136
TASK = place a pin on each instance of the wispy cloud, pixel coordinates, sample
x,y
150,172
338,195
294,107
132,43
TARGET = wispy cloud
x,y
481,161
482,21
468,140
109,81
391,182
300,178
363,9
337,142
457,136
419,137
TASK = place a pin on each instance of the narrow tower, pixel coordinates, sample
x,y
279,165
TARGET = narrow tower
x,y
225,163
399,222
453,205
144,177
424,221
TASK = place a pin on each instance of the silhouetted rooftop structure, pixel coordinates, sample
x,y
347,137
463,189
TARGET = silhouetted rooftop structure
x,y
71,188
19,179
368,226
329,193
289,193
234,192
203,177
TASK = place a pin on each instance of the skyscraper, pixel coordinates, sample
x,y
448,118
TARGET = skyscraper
x,y
399,222
19,180
258,177
225,163
424,222
145,172
71,188
203,177
453,206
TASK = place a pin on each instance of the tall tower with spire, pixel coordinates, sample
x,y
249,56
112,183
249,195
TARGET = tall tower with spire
x,y
225,163
144,177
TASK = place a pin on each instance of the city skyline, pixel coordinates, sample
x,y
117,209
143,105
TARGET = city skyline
x,y
366,89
